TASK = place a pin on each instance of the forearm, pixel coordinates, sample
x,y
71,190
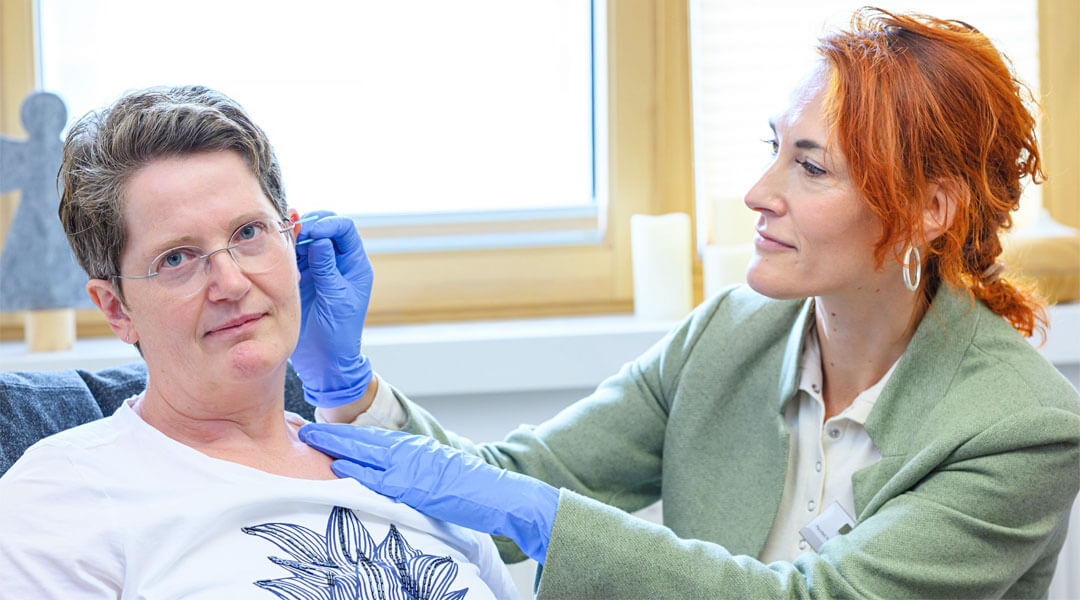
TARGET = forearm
x,y
597,551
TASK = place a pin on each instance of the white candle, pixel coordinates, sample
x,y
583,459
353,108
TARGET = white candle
x,y
723,266
660,253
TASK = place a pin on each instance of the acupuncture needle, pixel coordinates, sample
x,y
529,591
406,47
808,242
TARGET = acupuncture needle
x,y
306,220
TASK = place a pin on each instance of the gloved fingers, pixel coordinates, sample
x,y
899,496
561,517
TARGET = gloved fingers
x,y
342,230
340,442
370,478
373,436
383,437
416,448
322,265
308,225
305,230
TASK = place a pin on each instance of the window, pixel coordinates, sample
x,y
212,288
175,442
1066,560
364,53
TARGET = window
x,y
645,159
642,160
419,118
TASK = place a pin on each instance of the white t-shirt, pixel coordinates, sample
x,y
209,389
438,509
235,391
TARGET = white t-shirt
x,y
114,508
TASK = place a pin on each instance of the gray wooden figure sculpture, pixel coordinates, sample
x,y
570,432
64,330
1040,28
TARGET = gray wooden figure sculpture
x,y
37,268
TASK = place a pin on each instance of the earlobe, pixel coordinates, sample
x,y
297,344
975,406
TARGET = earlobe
x,y
104,296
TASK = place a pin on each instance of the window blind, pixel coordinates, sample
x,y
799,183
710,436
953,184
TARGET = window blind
x,y
747,57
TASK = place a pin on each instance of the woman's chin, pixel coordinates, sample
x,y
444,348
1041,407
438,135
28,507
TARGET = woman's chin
x,y
250,359
773,285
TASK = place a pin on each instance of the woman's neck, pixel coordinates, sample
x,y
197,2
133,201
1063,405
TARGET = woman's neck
x,y
241,422
862,334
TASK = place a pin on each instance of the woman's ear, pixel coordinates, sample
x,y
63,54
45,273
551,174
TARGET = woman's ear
x,y
104,296
293,217
942,203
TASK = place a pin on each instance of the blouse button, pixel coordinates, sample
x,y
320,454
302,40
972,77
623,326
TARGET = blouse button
x,y
810,506
817,466
802,545
834,433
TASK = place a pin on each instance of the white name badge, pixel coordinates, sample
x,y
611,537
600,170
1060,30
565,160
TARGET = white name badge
x,y
833,521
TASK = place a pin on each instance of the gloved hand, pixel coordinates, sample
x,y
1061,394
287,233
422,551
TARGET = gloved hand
x,y
335,286
442,482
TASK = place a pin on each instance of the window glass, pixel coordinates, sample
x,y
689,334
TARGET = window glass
x,y
374,107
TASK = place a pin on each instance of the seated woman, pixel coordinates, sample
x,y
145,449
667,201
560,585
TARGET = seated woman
x,y
199,487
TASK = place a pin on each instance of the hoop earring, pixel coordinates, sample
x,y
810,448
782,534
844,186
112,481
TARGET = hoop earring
x,y
912,285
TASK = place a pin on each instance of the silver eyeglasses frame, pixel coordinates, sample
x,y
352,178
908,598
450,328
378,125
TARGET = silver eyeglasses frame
x,y
286,225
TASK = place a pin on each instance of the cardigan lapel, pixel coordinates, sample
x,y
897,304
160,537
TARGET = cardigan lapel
x,y
771,480
920,381
792,361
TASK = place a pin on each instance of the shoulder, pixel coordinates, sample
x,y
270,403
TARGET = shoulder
x,y
56,487
738,336
1001,364
967,372
740,304
65,460
63,511
86,437
737,322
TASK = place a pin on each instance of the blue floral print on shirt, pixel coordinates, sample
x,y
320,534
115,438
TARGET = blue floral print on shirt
x,y
346,563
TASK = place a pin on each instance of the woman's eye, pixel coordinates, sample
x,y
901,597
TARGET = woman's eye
x,y
174,259
248,232
774,145
811,168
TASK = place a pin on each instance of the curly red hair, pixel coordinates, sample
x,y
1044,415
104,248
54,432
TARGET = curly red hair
x,y
914,100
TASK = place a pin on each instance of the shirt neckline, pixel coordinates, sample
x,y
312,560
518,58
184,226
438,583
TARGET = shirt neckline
x,y
127,416
811,380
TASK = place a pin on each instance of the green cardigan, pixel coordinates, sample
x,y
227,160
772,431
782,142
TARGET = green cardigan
x,y
980,445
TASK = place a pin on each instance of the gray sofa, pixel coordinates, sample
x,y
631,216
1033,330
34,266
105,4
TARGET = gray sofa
x,y
37,404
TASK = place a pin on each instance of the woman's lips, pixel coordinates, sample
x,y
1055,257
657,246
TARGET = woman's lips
x,y
765,242
237,325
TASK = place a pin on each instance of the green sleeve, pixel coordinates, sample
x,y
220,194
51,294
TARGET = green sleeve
x,y
607,446
968,529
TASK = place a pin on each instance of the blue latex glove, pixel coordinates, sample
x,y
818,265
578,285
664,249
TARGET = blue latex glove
x,y
335,285
442,482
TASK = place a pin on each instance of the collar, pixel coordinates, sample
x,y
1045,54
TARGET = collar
x,y
918,379
812,380
793,351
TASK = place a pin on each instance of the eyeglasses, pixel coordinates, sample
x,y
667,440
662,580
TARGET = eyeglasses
x,y
255,247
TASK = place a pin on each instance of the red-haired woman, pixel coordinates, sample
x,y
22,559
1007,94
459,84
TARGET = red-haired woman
x,y
865,419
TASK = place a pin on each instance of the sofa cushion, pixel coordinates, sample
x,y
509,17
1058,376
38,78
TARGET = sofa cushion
x,y
110,387
37,404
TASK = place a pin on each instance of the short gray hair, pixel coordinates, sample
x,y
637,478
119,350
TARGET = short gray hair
x,y
106,147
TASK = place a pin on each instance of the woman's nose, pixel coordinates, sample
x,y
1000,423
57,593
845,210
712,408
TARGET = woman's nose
x,y
225,279
768,193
